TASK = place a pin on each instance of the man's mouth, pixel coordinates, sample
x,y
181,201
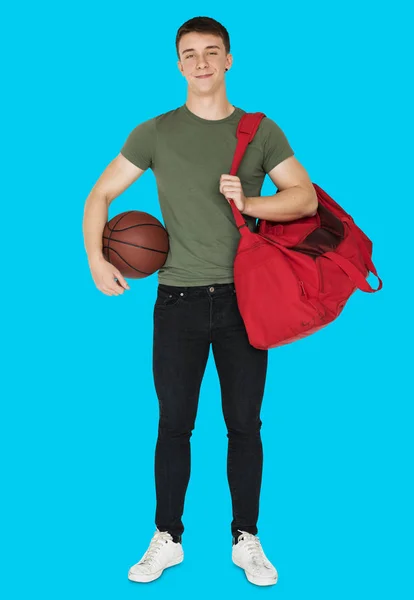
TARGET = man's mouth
x,y
203,76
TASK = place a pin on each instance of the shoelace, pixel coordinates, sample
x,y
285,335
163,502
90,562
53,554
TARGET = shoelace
x,y
157,542
252,544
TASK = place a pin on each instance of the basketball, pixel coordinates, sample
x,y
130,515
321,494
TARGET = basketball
x,y
136,243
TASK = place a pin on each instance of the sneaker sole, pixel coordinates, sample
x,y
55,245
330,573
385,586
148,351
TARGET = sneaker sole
x,y
147,577
256,579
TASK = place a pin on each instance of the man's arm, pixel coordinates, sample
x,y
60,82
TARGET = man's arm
x,y
115,179
295,199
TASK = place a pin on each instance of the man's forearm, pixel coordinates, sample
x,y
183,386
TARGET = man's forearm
x,y
94,220
287,205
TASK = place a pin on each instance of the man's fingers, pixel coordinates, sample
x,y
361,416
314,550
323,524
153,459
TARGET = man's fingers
x,y
113,288
122,281
117,289
230,188
230,177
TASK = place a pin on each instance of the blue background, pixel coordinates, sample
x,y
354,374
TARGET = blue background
x,y
79,411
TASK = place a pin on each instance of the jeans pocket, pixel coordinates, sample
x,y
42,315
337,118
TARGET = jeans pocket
x,y
167,298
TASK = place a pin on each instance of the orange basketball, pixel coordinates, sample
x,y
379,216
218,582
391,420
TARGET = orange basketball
x,y
136,243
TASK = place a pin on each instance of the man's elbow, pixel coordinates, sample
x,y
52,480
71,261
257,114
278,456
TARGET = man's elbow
x,y
312,202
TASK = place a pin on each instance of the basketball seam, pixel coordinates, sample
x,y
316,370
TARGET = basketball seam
x,y
109,239
135,245
126,262
136,225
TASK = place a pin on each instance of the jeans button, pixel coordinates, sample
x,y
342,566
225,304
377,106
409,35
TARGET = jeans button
x,y
211,289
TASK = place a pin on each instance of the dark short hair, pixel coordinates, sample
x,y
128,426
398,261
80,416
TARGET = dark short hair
x,y
203,25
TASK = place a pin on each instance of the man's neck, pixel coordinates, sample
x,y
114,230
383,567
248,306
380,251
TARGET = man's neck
x,y
210,108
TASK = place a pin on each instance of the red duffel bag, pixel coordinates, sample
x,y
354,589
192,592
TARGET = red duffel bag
x,y
293,278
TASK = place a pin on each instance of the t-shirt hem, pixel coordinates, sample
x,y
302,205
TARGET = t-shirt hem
x,y
196,282
281,158
134,161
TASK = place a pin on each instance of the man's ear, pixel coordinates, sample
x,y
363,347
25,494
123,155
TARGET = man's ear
x,y
230,62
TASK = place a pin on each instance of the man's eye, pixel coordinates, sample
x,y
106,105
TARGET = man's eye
x,y
190,55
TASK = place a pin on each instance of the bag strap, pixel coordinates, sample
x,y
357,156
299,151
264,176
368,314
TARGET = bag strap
x,y
246,130
352,272
350,269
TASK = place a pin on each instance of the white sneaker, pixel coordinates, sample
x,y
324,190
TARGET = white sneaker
x,y
162,553
248,554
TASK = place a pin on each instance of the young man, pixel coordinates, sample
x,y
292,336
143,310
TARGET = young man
x,y
190,150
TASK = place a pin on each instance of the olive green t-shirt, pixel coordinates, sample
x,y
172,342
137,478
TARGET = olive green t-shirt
x,y
187,155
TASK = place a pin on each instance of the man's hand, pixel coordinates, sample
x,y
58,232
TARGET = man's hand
x,y
103,274
231,188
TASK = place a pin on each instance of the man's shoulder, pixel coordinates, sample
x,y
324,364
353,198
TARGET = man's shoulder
x,y
167,115
269,128
266,123
148,122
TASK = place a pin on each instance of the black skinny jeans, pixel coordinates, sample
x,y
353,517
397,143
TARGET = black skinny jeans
x,y
186,321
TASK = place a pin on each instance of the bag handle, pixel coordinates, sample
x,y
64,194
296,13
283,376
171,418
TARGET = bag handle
x,y
352,272
246,130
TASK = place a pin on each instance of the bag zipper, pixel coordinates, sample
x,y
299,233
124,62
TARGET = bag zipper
x,y
304,293
321,284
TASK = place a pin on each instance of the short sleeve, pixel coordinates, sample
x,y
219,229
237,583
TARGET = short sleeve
x,y
276,147
139,147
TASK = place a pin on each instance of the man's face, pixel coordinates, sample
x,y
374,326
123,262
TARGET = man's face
x,y
203,54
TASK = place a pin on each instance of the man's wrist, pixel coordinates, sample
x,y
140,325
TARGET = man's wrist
x,y
247,206
96,257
